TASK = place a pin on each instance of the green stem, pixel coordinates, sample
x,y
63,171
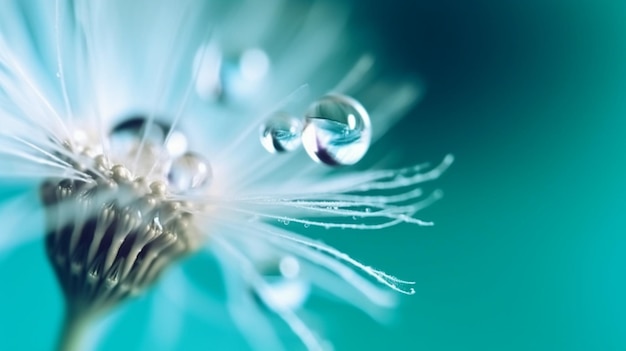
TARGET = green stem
x,y
71,336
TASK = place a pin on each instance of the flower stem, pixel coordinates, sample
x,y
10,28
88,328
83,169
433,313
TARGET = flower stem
x,y
72,332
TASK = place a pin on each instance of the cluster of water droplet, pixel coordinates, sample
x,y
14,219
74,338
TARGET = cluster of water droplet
x,y
336,131
152,148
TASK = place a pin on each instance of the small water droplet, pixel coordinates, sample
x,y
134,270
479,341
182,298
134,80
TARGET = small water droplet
x,y
242,74
281,133
254,65
289,267
189,171
337,130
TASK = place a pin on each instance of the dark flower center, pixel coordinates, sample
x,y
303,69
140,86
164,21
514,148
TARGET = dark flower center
x,y
111,240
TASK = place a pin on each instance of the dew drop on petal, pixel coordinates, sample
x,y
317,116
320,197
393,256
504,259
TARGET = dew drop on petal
x,y
337,130
281,133
189,171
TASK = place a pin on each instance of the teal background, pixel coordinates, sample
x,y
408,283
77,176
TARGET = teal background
x,y
529,247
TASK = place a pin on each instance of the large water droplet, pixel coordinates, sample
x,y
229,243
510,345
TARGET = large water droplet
x,y
189,171
128,134
337,130
281,133
125,143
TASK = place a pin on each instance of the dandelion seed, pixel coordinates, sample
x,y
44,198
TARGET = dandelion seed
x,y
140,120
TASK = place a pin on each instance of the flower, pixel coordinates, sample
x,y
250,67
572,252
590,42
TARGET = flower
x,y
158,130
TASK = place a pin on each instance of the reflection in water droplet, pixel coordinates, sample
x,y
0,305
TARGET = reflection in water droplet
x,y
281,133
337,130
189,171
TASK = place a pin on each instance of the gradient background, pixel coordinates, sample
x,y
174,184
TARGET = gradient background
x,y
529,247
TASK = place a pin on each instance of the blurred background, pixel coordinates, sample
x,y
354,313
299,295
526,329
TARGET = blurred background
x,y
529,247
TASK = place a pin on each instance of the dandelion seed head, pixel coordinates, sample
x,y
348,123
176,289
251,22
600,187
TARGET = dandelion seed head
x,y
112,237
209,138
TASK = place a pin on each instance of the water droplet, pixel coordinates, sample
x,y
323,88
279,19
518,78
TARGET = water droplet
x,y
254,65
136,126
281,133
289,267
337,130
242,74
125,139
125,143
189,171
285,288
286,293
